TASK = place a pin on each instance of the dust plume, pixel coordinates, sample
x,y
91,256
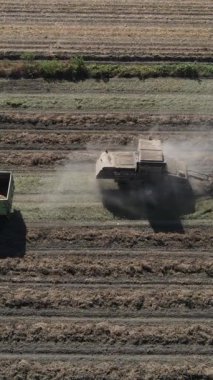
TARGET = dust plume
x,y
72,183
197,153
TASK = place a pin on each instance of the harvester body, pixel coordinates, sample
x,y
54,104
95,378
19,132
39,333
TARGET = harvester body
x,y
145,182
6,192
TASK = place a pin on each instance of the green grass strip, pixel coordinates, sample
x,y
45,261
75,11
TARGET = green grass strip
x,y
77,69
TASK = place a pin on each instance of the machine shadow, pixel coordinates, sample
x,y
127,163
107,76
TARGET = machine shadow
x,y
123,206
161,221
13,233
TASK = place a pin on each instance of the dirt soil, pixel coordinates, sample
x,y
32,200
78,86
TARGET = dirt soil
x,y
70,265
105,121
113,370
96,299
121,31
122,237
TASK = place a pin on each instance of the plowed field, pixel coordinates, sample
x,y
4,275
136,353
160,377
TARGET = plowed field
x,y
84,294
119,30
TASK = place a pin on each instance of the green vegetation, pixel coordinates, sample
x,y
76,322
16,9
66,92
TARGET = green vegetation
x,y
28,56
91,212
27,184
166,102
55,187
15,103
204,210
88,212
69,201
77,69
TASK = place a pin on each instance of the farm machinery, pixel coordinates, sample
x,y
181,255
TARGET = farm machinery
x,y
6,193
142,183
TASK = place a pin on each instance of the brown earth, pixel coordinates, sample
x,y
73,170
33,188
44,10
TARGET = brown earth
x,y
28,159
16,234
119,31
61,140
116,299
113,370
55,303
70,266
86,140
113,333
112,237
19,158
108,121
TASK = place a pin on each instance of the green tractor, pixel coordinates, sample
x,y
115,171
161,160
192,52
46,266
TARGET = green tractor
x,y
6,193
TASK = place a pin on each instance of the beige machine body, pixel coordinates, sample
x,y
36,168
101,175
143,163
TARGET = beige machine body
x,y
147,178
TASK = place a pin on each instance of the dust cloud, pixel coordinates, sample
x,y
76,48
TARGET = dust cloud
x,y
194,151
197,154
75,182
72,183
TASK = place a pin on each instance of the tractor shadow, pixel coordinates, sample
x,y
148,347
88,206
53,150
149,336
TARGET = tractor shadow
x,y
13,233
159,218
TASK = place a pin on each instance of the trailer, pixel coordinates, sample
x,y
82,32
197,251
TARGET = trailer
x,y
6,193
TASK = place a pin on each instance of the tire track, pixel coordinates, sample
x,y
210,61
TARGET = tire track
x,y
168,359
117,253
114,335
108,350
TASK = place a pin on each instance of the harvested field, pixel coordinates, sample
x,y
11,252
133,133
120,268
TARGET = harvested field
x,y
79,287
15,158
123,30
41,140
115,368
85,294
119,121
77,281
133,337
63,266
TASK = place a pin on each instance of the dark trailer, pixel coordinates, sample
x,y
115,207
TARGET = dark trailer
x,y
6,192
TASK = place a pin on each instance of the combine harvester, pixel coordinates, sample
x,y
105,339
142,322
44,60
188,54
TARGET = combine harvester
x,y
143,184
6,193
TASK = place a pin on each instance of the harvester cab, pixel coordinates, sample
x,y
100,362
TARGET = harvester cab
x,y
150,162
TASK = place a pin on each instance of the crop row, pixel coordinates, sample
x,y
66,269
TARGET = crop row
x,y
105,368
72,140
95,121
80,37
128,6
106,333
116,299
75,266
